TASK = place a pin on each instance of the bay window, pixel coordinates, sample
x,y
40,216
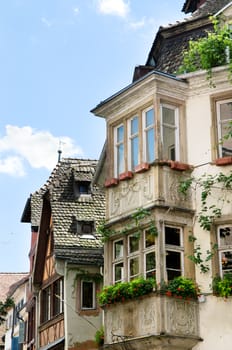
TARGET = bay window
x,y
140,255
224,120
145,137
52,303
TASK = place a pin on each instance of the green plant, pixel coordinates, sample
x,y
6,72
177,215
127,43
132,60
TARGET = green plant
x,y
136,226
99,336
222,287
181,287
123,291
207,184
197,255
4,306
210,51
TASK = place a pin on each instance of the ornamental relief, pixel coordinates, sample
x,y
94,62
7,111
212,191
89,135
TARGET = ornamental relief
x,y
131,194
181,317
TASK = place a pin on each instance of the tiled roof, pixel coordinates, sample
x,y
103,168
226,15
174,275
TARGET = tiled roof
x,y
170,42
210,7
67,209
7,280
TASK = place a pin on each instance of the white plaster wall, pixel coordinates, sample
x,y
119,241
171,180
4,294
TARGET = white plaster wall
x,y
215,324
79,328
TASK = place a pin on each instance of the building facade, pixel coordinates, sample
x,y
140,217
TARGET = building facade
x,y
165,131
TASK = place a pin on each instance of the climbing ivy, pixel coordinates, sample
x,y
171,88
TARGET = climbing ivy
x,y
136,226
207,183
197,256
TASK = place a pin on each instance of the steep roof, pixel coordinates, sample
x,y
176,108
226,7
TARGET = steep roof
x,y
67,209
203,7
170,42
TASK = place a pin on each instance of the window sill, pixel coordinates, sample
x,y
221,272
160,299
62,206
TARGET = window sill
x,y
126,176
223,161
111,182
140,168
175,165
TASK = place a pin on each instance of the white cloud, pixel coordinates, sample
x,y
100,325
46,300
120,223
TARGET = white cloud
x,y
12,166
38,148
138,24
46,22
76,11
113,7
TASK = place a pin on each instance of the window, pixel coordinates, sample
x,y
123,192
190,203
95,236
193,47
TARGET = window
x,y
146,136
119,150
225,249
149,254
169,131
149,135
174,252
133,256
87,295
118,255
52,300
82,188
134,142
86,229
224,118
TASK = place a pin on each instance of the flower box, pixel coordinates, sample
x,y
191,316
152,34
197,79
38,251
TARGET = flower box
x,y
223,161
111,182
179,166
125,176
140,168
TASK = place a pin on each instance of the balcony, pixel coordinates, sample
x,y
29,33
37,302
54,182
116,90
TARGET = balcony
x,y
155,186
153,321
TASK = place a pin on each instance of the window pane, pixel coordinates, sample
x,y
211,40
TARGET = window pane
x,y
134,125
150,139
87,294
133,244
118,249
169,142
168,115
172,236
134,152
149,117
120,134
225,118
134,267
118,272
120,159
58,297
173,264
150,264
149,135
149,239
225,234
226,261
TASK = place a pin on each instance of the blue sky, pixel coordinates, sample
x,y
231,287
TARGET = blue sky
x,y
58,60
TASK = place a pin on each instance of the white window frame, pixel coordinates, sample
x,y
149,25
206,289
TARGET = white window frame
x,y
93,295
145,129
148,250
176,127
222,248
131,137
219,124
119,260
116,150
174,248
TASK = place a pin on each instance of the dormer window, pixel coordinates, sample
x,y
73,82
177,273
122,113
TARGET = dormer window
x,y
82,188
86,229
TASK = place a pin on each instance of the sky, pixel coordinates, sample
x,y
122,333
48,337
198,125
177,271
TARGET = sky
x,y
58,60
